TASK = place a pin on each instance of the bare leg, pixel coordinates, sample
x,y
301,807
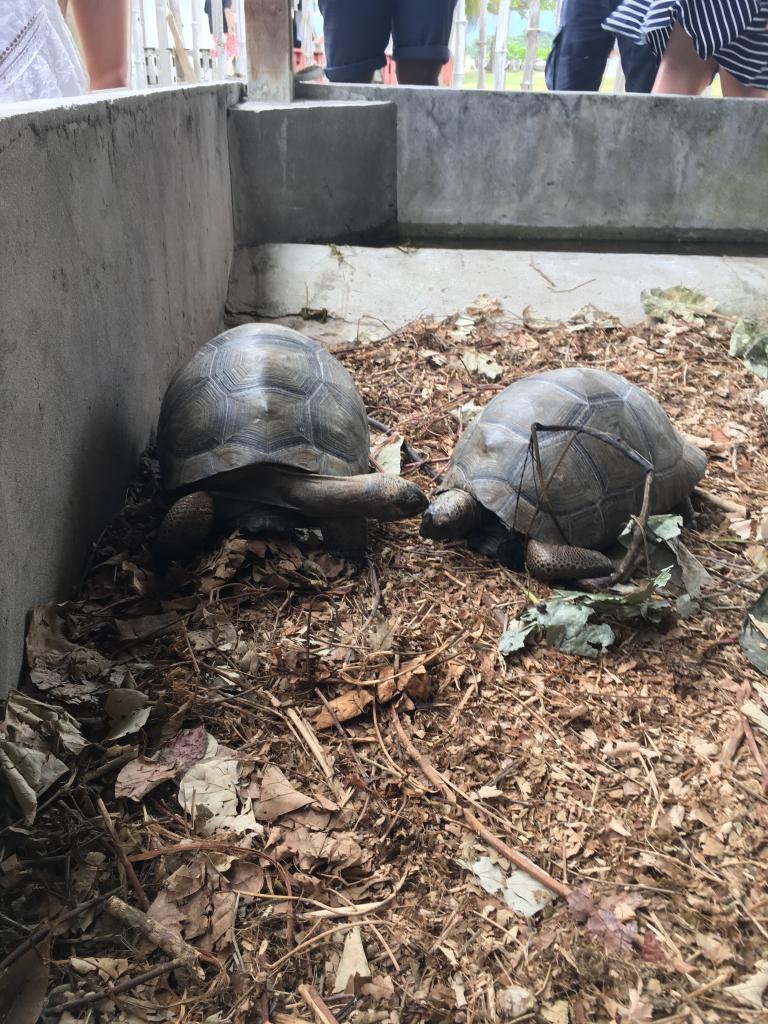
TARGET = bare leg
x,y
733,88
682,72
418,72
103,29
347,537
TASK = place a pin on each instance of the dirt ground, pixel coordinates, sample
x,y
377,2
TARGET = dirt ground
x,y
326,871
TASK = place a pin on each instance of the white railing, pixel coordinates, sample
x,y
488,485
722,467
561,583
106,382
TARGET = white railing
x,y
171,43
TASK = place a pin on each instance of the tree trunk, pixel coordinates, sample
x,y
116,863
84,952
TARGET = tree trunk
x,y
481,45
500,46
459,45
531,45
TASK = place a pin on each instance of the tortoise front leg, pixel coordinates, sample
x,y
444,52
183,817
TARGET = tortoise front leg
x,y
547,562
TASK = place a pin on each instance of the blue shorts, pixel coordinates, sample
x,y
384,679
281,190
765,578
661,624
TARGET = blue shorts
x,y
581,48
357,32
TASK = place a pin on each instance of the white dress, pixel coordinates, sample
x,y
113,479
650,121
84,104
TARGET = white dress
x,y
38,56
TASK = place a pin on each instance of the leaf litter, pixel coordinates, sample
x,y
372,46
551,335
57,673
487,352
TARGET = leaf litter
x,y
204,770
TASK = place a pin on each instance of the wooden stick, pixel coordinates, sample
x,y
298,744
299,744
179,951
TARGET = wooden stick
x,y
117,846
158,935
317,1005
518,859
629,560
724,504
45,930
113,990
427,769
752,744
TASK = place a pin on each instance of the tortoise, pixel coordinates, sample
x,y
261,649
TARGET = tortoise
x,y
557,521
264,430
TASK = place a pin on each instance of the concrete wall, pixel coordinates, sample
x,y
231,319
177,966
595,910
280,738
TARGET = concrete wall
x,y
115,246
307,172
572,165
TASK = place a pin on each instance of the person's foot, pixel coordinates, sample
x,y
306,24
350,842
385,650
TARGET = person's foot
x,y
418,72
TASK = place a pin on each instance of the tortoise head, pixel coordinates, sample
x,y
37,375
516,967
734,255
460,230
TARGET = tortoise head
x,y
452,513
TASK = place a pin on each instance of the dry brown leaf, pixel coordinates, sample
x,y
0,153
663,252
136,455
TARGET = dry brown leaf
x,y
278,796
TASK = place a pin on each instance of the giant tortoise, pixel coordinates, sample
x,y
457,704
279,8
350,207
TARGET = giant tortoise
x,y
264,430
556,502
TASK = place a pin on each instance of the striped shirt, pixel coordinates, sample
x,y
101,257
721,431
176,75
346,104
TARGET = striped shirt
x,y
733,32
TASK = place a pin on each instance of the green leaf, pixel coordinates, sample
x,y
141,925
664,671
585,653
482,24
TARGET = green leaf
x,y
566,629
563,620
514,636
754,633
686,303
750,341
662,534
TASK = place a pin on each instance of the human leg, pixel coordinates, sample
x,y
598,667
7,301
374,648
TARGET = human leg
x,y
420,32
682,72
103,29
580,48
356,34
639,65
734,89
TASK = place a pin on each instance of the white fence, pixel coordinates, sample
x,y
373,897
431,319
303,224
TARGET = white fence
x,y
172,42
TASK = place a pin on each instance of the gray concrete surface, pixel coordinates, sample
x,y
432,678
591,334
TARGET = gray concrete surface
x,y
374,290
116,231
308,172
574,165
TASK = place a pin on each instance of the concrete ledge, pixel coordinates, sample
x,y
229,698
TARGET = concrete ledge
x,y
116,227
386,288
574,165
313,171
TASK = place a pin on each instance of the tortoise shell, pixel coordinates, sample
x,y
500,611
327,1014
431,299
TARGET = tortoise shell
x,y
259,394
594,489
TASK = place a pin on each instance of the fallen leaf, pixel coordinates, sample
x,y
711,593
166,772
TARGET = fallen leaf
x,y
478,362
34,722
638,1010
754,633
388,456
750,991
617,938
512,1002
146,626
713,948
467,412
211,787
141,776
686,303
749,341
519,890
24,985
556,1013
278,796
127,711
590,316
353,970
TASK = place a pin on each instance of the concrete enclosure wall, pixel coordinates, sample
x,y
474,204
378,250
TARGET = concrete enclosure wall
x,y
116,228
574,165
307,172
